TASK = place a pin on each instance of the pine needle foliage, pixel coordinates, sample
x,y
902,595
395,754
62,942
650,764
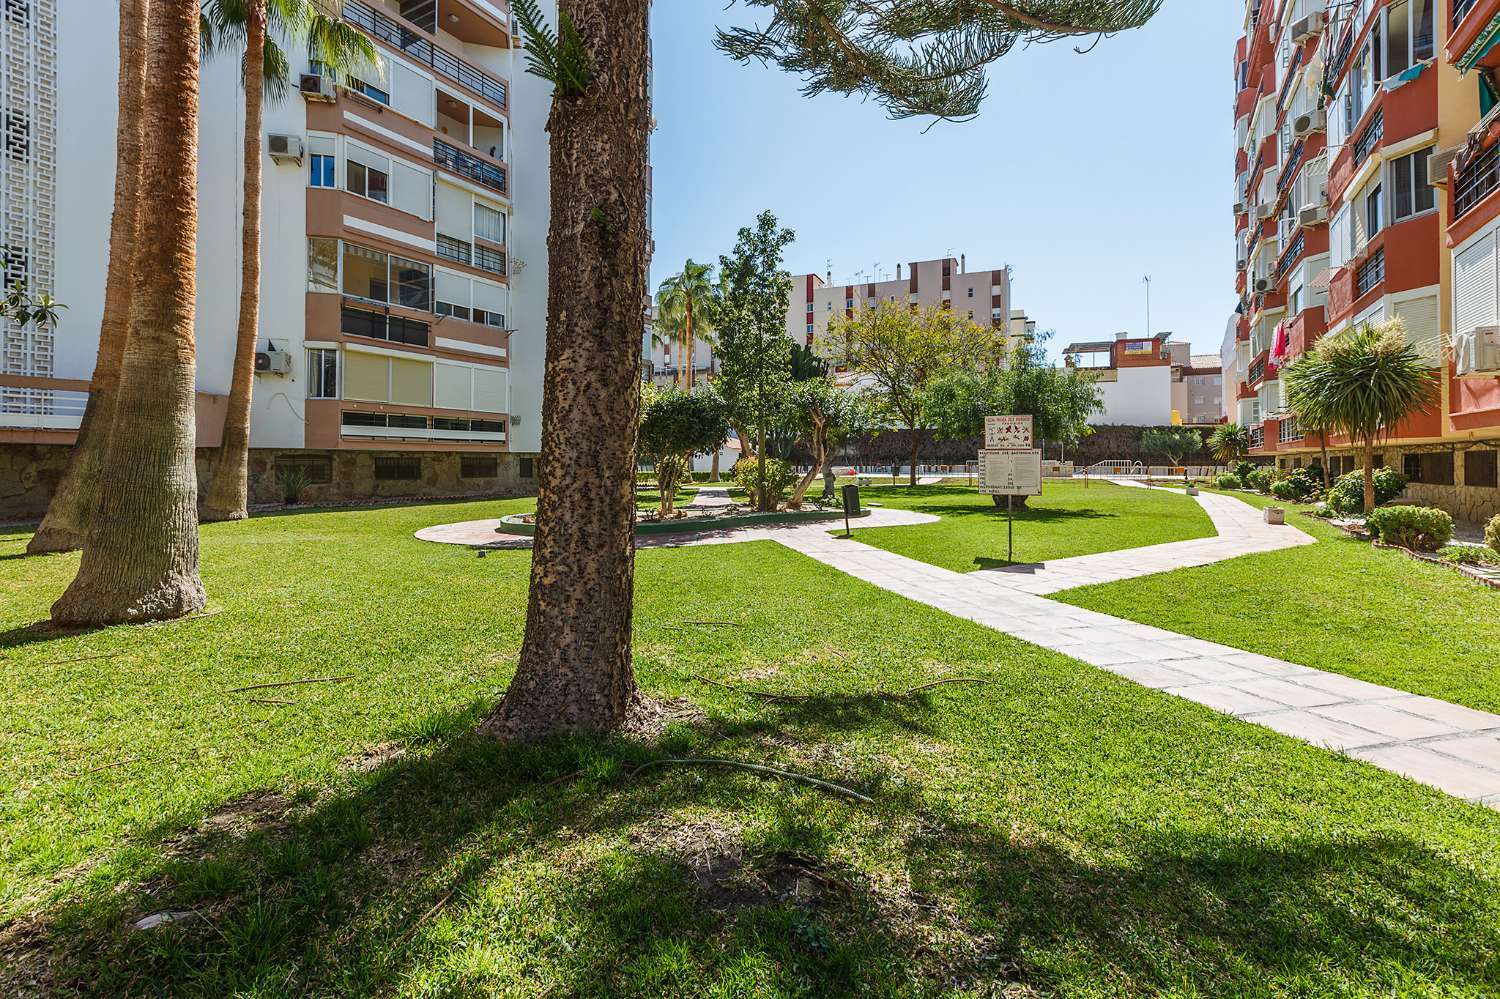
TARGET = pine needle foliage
x,y
916,57
559,57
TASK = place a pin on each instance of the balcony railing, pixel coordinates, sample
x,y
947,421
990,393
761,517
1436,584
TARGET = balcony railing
x,y
381,326
1289,429
400,426
1257,437
1368,139
1370,274
41,409
472,254
1460,9
1257,370
1290,257
390,31
490,260
451,157
1476,179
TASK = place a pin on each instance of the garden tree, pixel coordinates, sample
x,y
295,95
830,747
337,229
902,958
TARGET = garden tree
x,y
754,352
1361,383
826,416
806,365
1172,443
1229,442
21,307
903,349
76,497
140,556
685,303
676,425
917,57
241,25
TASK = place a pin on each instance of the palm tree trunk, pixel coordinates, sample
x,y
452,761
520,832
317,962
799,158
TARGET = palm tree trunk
x,y
140,558
691,346
228,489
76,497
575,671
1323,447
1369,463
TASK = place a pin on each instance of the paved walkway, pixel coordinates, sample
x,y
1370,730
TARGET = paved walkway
x,y
1450,747
712,497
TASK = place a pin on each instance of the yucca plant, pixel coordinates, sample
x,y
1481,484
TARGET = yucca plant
x,y
1229,442
1361,383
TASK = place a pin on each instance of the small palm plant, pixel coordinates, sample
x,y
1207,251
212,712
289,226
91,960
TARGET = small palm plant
x,y
1361,383
1229,442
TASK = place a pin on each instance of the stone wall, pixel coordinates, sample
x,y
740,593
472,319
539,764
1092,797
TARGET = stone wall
x,y
1469,505
29,473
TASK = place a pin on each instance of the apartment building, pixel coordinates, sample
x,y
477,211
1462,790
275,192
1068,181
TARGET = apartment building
x,y
1364,194
403,295
1149,381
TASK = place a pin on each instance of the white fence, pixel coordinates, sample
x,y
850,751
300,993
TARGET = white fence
x,y
41,409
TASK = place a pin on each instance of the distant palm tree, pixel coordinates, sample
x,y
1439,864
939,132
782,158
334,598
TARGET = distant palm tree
x,y
1361,383
253,28
685,302
1229,442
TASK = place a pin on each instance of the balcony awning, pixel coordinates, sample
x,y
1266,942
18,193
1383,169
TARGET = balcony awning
x,y
1322,279
1487,40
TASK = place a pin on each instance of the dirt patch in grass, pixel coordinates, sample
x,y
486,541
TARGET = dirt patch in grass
x,y
372,758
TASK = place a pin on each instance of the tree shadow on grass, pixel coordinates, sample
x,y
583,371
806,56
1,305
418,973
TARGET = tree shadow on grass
x,y
452,868
45,631
1023,515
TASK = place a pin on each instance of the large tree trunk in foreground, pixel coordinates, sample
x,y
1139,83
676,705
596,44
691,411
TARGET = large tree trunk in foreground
x,y
140,558
575,671
228,490
77,493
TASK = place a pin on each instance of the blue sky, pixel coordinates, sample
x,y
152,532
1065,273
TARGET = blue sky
x,y
1083,172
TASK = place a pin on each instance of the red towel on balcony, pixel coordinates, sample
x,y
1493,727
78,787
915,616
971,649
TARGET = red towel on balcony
x,y
1278,342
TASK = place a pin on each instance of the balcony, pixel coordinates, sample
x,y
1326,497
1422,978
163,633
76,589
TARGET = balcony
x,y
396,426
1258,368
450,157
1289,430
471,254
421,49
1461,10
1476,179
355,321
1257,437
1370,274
30,408
1370,137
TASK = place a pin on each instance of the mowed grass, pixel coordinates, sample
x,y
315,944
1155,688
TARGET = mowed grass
x,y
1068,519
1341,605
1055,830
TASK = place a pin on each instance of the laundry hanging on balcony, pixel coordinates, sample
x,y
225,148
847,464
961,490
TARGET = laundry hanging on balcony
x,y
1278,342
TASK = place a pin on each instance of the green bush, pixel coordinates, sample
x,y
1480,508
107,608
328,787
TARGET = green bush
x,y
1229,482
1420,528
1468,555
1348,493
1260,479
1298,484
1243,470
778,477
1284,489
1492,532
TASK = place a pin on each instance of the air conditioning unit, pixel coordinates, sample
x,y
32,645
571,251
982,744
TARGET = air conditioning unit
x,y
1312,215
1307,124
285,147
1476,352
1437,163
1262,285
1309,27
1266,211
316,87
1239,208
272,361
1240,262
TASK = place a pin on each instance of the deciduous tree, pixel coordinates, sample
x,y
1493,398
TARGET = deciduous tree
x,y
675,426
1171,443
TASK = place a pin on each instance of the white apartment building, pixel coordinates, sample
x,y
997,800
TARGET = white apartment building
x,y
404,256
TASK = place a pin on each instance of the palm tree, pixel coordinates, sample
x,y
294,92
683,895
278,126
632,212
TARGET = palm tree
x,y
140,556
1361,383
243,24
690,295
76,496
1229,442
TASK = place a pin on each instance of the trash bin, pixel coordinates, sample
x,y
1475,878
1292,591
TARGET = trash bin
x,y
851,501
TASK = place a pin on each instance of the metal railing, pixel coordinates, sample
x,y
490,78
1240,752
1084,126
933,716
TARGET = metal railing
x,y
490,260
1290,257
1289,430
390,31
1368,139
1460,9
1257,436
42,409
451,157
1370,273
455,250
1476,179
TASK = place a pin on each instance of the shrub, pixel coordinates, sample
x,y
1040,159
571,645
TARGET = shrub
x,y
1243,469
778,477
1468,555
293,482
1284,489
1298,484
1260,479
1420,528
1229,482
1348,493
1492,532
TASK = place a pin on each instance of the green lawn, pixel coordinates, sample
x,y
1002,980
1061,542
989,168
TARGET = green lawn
x,y
1341,605
1055,831
1069,518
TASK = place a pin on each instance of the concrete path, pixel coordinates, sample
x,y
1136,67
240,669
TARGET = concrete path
x,y
1447,746
712,497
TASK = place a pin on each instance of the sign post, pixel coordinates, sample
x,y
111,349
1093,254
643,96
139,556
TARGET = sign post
x,y
1009,466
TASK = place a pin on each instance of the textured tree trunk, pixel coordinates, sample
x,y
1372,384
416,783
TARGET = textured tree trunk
x,y
575,671
692,347
228,490
1369,463
713,472
1323,447
140,557
76,496
764,501
819,449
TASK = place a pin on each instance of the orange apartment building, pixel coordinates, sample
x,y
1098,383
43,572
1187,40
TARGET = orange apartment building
x,y
1364,192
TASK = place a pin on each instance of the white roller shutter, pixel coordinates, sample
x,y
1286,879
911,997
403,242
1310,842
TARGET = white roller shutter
x,y
411,190
455,212
455,386
321,145
490,389
491,297
1338,239
356,153
453,289
1474,284
1421,318
412,93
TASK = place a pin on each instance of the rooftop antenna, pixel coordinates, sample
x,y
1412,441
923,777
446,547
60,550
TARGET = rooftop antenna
x,y
1147,280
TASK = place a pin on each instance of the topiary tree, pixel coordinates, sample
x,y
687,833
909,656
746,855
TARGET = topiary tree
x,y
1361,383
676,425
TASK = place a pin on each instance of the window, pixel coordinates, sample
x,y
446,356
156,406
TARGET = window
x,y
489,223
1433,468
321,170
457,311
476,426
353,418
322,374
1408,36
378,277
367,181
380,326
528,468
1480,468
1410,193
369,90
971,292
318,468
1370,274
809,308
397,469
488,318
1372,212
809,327
413,283
473,466
322,264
